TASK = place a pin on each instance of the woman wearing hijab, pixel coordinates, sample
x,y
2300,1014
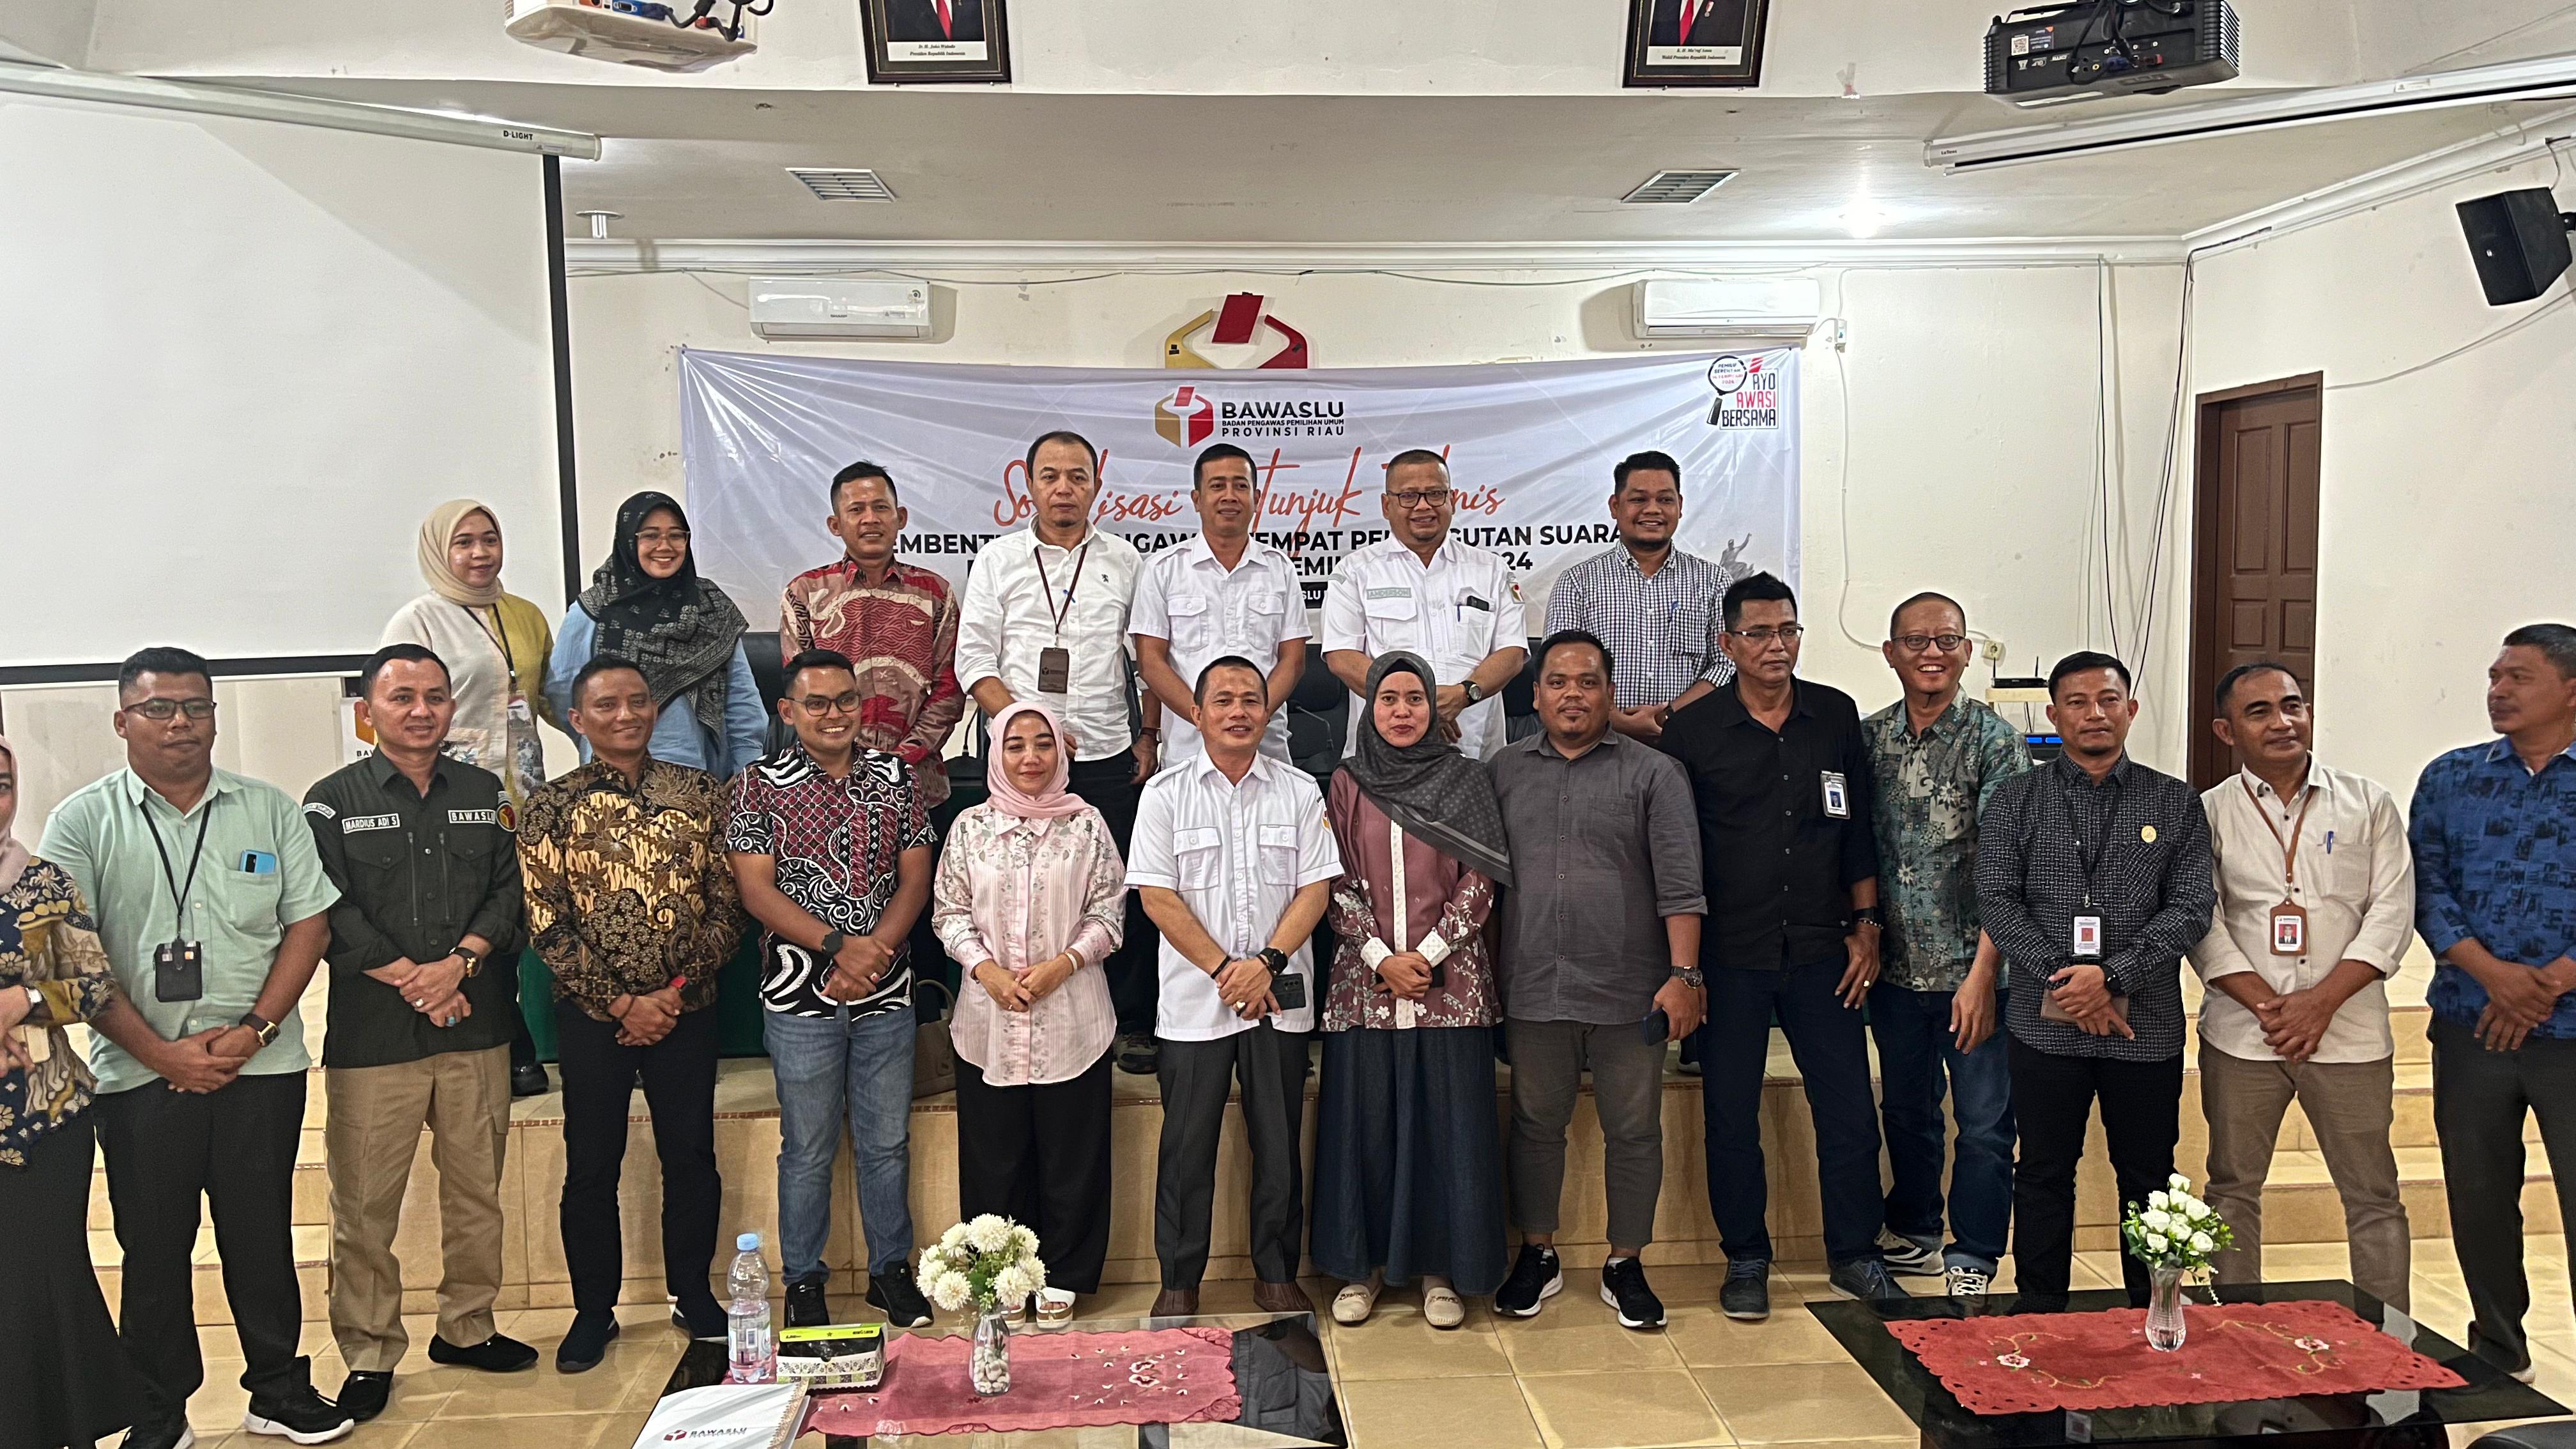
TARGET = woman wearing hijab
x,y
1030,899
1407,1153
63,1375
494,643
648,605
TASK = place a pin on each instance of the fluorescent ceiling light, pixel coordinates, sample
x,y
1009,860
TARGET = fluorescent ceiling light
x,y
2548,78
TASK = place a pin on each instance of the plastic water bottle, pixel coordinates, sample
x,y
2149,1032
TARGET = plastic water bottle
x,y
753,1350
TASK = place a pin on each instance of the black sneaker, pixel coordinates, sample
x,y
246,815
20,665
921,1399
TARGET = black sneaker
x,y
302,1417
1746,1294
167,1434
363,1394
806,1305
1866,1279
903,1304
1623,1286
585,1343
494,1355
1905,1255
529,1081
1536,1278
1139,1055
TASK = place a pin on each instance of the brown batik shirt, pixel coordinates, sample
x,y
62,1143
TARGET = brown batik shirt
x,y
901,640
627,885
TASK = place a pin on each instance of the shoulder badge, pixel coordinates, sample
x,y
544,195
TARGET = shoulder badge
x,y
318,810
508,817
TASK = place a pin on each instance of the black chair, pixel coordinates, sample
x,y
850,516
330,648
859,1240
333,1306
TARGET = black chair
x,y
769,673
2549,1434
1319,716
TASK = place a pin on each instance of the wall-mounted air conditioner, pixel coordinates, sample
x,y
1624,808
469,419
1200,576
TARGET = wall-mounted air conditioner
x,y
807,307
1776,311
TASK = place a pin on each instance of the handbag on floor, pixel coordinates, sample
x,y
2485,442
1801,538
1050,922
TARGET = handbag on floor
x,y
934,1054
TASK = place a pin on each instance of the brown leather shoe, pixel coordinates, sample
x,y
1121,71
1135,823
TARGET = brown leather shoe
x,y
1176,1303
1281,1298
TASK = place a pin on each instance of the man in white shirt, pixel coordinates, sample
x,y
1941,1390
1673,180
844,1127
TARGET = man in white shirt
x,y
1221,593
1044,618
1235,862
2316,894
1421,591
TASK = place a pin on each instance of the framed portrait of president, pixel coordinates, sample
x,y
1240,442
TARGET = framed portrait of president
x,y
916,42
1695,42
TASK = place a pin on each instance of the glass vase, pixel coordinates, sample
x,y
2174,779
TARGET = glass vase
x,y
2164,1309
988,1367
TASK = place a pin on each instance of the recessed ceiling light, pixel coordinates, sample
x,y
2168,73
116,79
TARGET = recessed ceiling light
x,y
1676,188
843,183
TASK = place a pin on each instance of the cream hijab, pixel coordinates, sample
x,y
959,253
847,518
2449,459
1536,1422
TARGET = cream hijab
x,y
13,856
443,580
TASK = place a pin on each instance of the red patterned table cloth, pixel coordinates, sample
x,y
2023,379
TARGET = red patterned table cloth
x,y
1058,1380
2033,1362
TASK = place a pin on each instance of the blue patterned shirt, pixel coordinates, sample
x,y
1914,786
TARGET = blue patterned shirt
x,y
1931,787
2495,859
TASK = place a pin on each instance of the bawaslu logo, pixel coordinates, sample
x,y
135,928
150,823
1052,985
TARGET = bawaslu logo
x,y
1185,418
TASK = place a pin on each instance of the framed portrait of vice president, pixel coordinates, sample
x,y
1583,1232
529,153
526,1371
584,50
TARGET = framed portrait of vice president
x,y
1694,42
932,41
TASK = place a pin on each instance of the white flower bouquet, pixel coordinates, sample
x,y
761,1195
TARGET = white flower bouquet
x,y
984,1263
2173,1229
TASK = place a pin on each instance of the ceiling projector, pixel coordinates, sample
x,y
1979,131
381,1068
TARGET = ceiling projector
x,y
686,36
2087,49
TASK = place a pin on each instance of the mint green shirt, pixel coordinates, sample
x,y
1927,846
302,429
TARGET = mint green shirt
x,y
238,916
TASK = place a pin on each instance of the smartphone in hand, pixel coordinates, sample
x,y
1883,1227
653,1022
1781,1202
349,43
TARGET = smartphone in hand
x,y
1656,1029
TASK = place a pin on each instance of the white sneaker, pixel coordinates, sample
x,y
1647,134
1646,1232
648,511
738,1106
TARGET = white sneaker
x,y
1969,1282
1904,1255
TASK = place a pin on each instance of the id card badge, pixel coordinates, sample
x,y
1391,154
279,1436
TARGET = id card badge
x,y
1055,669
2087,945
2289,929
1837,795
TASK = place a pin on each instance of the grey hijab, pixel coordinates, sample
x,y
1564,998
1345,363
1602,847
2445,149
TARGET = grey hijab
x,y
1434,792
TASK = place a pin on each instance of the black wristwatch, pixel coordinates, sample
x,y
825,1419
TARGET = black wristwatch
x,y
261,1027
1274,958
1474,693
1871,914
1692,977
831,943
473,960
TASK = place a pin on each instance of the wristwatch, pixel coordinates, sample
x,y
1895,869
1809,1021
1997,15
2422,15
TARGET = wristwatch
x,y
831,943
262,1027
1871,915
472,958
1691,976
1274,958
1474,694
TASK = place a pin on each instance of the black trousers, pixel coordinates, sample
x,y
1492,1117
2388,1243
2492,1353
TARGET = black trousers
x,y
235,1148
2479,1101
1196,1077
2052,1097
63,1375
1040,1155
679,1076
1135,976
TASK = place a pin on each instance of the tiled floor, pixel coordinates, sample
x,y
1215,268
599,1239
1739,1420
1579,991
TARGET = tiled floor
x,y
1569,1379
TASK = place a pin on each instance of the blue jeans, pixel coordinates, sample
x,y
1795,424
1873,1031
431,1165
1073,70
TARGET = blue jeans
x,y
826,1064
1915,1053
1832,1053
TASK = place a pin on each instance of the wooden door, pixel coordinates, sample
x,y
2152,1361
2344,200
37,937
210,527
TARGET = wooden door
x,y
2254,549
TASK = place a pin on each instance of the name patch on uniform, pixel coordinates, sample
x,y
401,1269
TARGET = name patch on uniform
x,y
1398,592
473,817
320,811
357,823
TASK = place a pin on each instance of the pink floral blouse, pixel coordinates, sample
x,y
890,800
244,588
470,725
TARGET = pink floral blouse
x,y
1016,892
1397,893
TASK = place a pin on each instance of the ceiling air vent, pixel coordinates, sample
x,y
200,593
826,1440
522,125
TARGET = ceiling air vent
x,y
842,184
1676,188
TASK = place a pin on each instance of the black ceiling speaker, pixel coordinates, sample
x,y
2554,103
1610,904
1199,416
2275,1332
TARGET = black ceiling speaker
x,y
2519,240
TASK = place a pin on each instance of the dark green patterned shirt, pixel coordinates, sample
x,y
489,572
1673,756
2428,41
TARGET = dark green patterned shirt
x,y
1931,789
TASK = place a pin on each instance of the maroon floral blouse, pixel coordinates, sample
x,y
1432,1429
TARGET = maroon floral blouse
x,y
1443,909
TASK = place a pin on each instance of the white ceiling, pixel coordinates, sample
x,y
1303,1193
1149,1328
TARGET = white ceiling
x,y
1287,170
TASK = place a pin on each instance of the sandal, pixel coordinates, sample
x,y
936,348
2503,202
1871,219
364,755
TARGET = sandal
x,y
1442,1307
1055,1308
1355,1302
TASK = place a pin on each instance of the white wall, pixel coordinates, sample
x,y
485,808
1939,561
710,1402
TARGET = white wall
x,y
2446,510
1972,408
47,30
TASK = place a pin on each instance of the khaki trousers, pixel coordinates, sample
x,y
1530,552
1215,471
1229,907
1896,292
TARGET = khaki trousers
x,y
2350,1106
372,1136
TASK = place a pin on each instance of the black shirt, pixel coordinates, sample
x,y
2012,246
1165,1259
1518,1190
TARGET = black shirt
x,y
1780,859
2147,840
416,875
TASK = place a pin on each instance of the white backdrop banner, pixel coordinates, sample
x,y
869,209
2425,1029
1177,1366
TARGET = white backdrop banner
x,y
1530,447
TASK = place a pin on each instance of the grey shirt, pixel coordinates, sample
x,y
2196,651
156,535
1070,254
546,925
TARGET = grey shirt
x,y
1604,847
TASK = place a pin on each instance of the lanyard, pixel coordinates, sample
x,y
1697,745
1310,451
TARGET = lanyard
x,y
2289,847
500,638
178,892
2089,853
1059,613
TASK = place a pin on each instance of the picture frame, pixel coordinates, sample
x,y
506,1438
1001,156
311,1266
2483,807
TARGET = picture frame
x,y
1723,45
936,42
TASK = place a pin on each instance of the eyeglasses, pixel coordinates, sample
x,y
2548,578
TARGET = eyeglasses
x,y
1786,634
1416,497
837,704
163,710
1917,643
661,535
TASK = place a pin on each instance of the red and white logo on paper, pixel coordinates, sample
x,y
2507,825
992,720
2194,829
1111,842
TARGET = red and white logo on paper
x,y
1748,396
1186,418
